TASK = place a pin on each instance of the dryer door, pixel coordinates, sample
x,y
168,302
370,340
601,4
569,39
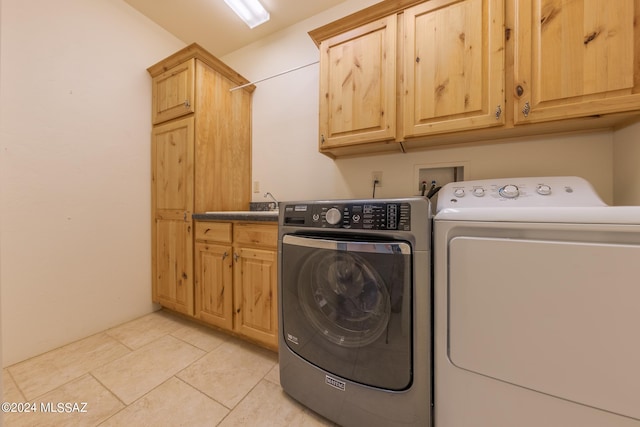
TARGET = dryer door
x,y
558,317
347,307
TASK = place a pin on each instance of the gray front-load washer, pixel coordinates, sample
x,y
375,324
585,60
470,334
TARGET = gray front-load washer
x,y
354,291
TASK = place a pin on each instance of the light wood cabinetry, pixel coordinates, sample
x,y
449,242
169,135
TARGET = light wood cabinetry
x,y
213,273
454,66
174,92
172,153
236,280
200,158
575,58
422,72
358,85
469,71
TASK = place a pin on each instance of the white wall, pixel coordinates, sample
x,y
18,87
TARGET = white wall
x,y
626,154
285,127
75,128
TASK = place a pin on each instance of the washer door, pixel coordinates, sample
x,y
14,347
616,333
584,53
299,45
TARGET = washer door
x,y
347,309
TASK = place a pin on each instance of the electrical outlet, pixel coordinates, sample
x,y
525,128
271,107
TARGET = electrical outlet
x,y
376,176
256,186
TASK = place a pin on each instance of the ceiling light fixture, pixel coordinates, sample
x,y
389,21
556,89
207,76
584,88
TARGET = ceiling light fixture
x,y
250,11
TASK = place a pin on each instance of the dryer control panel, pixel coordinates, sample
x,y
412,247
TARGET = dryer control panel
x,y
364,215
567,191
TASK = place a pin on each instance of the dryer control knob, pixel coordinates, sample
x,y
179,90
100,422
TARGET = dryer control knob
x,y
543,189
509,191
333,216
478,191
458,192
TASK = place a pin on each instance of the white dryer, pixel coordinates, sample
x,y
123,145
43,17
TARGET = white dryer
x,y
537,306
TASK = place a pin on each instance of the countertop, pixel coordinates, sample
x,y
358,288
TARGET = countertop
x,y
261,216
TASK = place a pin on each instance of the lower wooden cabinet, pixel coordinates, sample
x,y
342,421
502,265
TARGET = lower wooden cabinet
x,y
236,278
214,284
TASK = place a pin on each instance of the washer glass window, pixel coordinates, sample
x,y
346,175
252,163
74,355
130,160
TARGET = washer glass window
x,y
347,307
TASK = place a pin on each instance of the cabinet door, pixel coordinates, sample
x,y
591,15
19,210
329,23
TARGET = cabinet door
x,y
575,58
255,299
173,92
173,284
214,292
454,66
358,85
172,205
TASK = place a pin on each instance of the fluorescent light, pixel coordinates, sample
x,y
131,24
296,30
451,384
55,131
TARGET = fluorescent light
x,y
250,11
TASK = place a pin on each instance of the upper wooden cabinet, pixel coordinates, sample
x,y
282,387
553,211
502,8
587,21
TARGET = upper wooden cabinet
x,y
201,161
575,58
453,66
475,70
173,92
358,85
436,67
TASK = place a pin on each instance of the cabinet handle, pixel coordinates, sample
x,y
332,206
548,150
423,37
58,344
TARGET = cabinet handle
x,y
187,104
498,112
526,109
235,257
224,256
321,139
185,217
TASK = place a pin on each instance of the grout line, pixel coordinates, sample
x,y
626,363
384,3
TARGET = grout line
x,y
15,383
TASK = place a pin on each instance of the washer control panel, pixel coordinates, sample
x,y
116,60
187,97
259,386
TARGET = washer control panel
x,y
520,192
365,215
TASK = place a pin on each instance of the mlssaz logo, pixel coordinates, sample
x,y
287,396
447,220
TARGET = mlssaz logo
x,y
340,385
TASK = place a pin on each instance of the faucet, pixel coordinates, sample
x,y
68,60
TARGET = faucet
x,y
275,204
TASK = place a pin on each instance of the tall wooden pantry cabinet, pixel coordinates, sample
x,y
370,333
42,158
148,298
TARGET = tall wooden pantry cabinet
x,y
200,161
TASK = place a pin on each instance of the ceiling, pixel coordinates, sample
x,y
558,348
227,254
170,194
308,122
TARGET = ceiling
x,y
214,26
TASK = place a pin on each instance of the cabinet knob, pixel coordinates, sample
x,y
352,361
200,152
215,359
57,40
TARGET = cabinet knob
x,y
498,112
187,104
526,109
224,256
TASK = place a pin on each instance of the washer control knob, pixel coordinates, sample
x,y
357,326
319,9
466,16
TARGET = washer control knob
x,y
458,192
333,216
478,191
509,191
543,189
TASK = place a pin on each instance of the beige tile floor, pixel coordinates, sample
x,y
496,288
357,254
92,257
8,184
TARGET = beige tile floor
x,y
158,370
